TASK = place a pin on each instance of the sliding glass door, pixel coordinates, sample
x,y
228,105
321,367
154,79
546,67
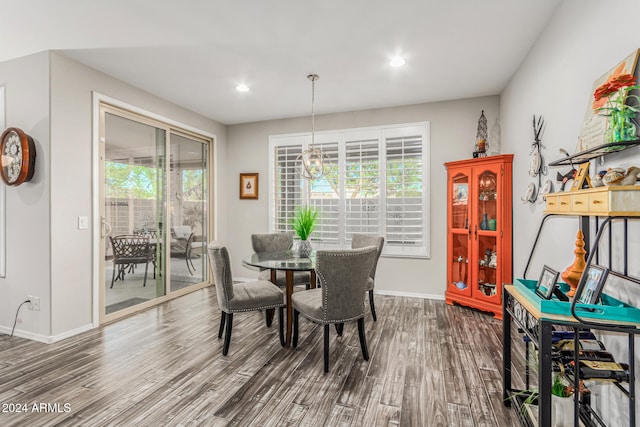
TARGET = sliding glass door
x,y
188,211
154,211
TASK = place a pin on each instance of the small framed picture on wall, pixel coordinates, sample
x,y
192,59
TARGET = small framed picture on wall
x,y
249,186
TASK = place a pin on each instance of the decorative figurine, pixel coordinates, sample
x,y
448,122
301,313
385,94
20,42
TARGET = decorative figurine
x,y
614,176
596,181
481,137
493,262
573,273
631,176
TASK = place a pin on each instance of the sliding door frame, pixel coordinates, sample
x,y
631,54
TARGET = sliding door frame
x,y
171,127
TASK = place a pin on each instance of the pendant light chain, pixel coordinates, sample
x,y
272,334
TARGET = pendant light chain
x,y
312,162
313,78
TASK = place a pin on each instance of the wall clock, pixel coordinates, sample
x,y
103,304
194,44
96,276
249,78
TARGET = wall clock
x,y
18,156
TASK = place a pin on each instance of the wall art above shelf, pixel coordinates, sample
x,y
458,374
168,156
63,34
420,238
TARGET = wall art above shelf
x,y
593,152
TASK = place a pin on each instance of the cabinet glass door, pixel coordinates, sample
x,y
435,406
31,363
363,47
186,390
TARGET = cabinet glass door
x,y
485,231
459,235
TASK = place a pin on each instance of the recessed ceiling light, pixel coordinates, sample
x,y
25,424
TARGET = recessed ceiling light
x,y
397,62
242,88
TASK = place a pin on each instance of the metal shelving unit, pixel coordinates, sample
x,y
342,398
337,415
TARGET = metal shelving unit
x,y
538,327
592,153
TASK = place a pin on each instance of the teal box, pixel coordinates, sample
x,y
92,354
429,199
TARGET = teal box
x,y
610,308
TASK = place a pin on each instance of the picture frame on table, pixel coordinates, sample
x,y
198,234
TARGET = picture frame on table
x,y
591,284
249,185
582,177
547,282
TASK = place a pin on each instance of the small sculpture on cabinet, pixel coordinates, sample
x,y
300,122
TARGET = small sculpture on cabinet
x,y
480,149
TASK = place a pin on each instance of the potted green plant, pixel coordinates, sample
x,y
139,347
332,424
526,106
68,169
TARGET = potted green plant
x,y
561,400
304,223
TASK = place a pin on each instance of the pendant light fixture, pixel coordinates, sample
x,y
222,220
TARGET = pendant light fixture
x,y
310,164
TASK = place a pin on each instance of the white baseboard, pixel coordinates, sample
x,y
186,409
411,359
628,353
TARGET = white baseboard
x,y
43,338
377,291
408,294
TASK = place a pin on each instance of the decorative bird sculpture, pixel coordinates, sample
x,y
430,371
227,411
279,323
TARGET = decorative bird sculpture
x,y
614,176
631,176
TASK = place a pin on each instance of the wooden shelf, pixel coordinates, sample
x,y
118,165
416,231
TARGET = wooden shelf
x,y
592,153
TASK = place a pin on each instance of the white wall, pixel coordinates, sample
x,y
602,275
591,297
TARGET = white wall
x,y
26,82
453,131
556,81
584,40
50,97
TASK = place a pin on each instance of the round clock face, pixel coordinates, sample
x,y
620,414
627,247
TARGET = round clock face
x,y
12,157
18,156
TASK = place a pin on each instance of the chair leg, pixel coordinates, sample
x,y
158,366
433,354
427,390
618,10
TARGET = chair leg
x,y
227,334
186,258
268,314
296,318
281,325
223,317
113,276
339,328
363,339
372,305
326,348
146,268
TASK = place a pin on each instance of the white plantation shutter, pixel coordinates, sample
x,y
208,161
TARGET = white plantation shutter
x,y
324,196
404,192
287,192
362,187
376,184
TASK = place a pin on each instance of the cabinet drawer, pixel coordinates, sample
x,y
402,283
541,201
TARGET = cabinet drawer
x,y
580,203
564,203
599,202
552,203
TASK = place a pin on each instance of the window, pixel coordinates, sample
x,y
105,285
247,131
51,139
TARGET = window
x,y
377,184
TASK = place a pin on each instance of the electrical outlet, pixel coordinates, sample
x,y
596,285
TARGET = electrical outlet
x,y
34,303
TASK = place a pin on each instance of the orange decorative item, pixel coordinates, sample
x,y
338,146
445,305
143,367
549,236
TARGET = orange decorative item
x,y
573,273
479,223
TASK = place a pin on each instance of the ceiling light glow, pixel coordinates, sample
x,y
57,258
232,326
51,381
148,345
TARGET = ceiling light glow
x,y
242,88
397,62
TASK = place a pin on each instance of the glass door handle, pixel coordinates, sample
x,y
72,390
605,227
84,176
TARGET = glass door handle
x,y
105,227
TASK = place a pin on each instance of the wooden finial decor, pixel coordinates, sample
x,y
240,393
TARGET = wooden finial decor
x,y
573,273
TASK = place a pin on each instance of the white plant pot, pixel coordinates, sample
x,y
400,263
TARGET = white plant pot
x,y
562,411
302,248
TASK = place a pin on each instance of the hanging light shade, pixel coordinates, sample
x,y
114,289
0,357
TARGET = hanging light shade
x,y
311,163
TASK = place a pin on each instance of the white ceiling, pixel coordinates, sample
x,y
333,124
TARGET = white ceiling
x,y
194,52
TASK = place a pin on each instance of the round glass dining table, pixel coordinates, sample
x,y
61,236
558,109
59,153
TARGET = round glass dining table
x,y
288,262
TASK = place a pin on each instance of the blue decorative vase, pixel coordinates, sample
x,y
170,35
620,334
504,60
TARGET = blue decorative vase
x,y
484,224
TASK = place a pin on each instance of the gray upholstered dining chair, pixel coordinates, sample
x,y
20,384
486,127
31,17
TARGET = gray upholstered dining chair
x,y
276,242
361,241
247,296
343,276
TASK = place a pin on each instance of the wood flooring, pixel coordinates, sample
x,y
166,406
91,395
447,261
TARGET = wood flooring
x,y
430,365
